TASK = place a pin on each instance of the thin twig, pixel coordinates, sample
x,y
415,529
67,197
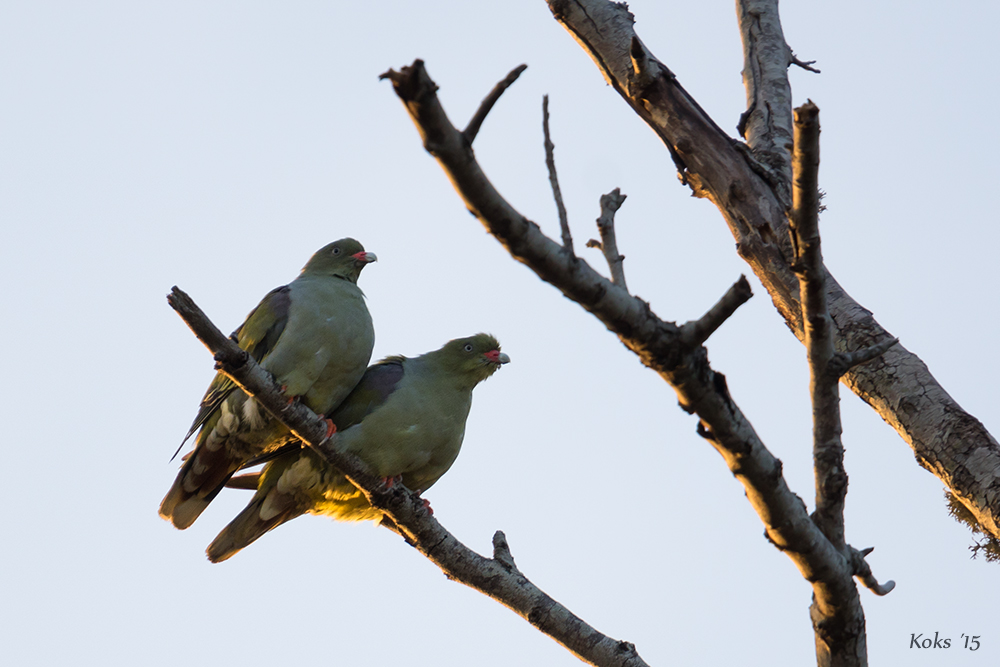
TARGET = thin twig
x,y
550,162
610,203
806,64
845,361
472,129
696,332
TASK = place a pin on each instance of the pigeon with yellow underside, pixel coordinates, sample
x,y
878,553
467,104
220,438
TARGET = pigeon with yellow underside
x,y
405,419
315,336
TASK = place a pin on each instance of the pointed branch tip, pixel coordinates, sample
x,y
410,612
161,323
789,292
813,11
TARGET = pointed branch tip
x,y
806,65
550,163
472,129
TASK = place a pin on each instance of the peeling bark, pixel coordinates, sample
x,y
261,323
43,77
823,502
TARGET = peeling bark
x,y
747,186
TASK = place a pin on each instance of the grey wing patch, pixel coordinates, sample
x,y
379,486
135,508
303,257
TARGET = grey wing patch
x,y
374,388
382,379
260,332
258,335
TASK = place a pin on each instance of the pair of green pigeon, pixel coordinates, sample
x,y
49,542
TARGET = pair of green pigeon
x,y
404,417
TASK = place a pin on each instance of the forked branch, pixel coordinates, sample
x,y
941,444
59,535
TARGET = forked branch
x,y
747,185
662,346
610,203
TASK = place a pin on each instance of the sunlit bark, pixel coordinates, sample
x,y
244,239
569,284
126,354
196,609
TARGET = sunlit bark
x,y
748,184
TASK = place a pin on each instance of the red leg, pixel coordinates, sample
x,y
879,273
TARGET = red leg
x,y
391,481
331,428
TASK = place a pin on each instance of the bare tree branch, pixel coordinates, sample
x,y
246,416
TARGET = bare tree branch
x,y
838,623
946,440
610,203
864,572
845,361
767,122
496,577
550,162
659,345
828,450
696,332
806,65
472,129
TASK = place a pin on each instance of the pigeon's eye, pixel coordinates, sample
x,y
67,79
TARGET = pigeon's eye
x,y
336,251
468,347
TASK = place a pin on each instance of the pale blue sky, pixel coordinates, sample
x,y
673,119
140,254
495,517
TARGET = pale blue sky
x,y
216,145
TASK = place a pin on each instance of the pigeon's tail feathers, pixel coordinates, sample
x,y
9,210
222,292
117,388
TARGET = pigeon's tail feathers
x,y
264,513
201,478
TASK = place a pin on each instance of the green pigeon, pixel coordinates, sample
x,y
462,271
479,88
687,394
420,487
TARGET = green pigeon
x,y
315,336
405,419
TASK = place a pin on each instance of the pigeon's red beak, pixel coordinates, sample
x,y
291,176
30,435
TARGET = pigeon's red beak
x,y
365,257
497,357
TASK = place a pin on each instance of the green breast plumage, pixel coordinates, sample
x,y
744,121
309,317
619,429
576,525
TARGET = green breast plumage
x,y
326,344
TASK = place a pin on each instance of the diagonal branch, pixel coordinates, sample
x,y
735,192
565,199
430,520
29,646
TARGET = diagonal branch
x,y
946,440
660,345
696,332
472,129
550,162
496,577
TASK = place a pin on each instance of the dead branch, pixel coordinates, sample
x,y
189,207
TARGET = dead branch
x,y
550,162
610,203
696,332
659,345
946,440
472,129
496,577
767,122
828,450
839,624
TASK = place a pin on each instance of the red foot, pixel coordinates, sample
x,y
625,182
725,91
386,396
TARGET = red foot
x,y
427,506
331,428
391,481
291,399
